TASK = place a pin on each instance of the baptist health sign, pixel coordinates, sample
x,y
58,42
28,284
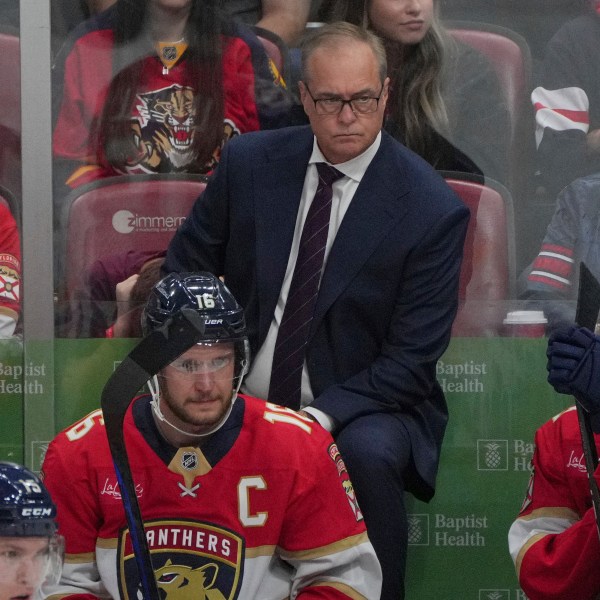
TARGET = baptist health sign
x,y
443,530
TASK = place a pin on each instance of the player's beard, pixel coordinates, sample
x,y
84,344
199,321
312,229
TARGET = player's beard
x,y
195,423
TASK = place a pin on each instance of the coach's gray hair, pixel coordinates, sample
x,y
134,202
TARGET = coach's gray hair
x,y
335,34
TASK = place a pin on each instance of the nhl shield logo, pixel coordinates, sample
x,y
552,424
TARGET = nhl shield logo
x,y
189,461
169,53
190,560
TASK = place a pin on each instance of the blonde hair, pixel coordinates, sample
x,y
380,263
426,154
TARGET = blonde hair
x,y
416,105
416,108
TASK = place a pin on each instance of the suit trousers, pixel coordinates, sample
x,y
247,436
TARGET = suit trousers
x,y
376,450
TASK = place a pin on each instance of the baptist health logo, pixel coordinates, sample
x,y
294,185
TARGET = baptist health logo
x,y
124,221
504,455
418,529
492,455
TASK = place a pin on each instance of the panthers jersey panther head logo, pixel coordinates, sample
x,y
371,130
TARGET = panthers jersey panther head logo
x,y
180,582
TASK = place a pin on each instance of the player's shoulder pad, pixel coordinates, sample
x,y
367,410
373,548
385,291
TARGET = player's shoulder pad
x,y
88,427
563,414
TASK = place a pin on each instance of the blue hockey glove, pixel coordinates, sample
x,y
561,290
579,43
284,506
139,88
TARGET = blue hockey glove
x,y
574,365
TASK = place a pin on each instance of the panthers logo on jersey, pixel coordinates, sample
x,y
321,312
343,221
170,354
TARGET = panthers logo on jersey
x,y
179,582
190,560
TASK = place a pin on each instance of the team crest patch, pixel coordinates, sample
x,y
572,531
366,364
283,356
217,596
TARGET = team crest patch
x,y
190,560
10,279
336,457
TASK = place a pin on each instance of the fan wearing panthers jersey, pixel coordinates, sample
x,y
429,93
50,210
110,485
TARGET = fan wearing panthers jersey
x,y
10,272
153,86
554,541
240,498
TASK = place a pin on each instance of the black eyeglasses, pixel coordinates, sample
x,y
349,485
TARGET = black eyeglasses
x,y
334,106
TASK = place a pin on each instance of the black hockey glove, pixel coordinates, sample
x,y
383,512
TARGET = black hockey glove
x,y
574,365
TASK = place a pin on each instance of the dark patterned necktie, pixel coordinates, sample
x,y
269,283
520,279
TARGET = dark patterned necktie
x,y
289,353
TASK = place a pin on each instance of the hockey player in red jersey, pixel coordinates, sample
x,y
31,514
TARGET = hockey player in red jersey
x,y
554,541
240,498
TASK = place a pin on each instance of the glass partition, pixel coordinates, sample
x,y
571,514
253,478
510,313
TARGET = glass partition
x,y
515,283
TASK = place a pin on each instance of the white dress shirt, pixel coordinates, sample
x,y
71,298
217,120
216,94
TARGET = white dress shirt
x,y
256,382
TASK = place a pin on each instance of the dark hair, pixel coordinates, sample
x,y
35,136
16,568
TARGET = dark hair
x,y
149,275
131,47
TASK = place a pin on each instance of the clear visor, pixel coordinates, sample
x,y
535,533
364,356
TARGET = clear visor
x,y
191,367
28,562
215,360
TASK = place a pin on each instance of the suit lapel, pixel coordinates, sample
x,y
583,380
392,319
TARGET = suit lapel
x,y
375,209
277,187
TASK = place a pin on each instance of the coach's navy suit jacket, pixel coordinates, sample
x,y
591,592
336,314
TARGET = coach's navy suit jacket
x,y
388,293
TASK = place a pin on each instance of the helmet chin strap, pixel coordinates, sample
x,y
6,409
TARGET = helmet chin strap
x,y
155,403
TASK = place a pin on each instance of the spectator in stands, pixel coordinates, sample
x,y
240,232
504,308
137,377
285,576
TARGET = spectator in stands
x,y
445,100
171,82
567,103
131,295
282,17
114,286
551,282
65,15
10,273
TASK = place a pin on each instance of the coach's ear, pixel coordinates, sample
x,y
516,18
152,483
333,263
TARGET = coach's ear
x,y
307,102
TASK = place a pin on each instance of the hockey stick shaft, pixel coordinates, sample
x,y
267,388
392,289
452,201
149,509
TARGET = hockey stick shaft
x,y
588,306
153,352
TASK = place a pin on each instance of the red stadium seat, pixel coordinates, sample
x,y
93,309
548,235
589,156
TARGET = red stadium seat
x,y
117,214
487,278
274,47
510,57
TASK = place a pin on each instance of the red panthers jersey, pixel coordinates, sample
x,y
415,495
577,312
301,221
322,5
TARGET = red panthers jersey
x,y
554,541
263,510
163,119
10,272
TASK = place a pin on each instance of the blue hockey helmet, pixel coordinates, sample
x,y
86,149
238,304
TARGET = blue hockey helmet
x,y
27,520
26,508
206,294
